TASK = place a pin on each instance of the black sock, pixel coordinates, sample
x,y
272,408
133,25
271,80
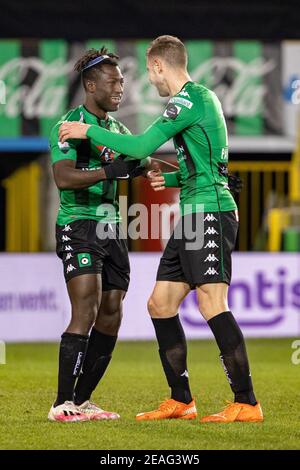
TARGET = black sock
x,y
233,356
173,355
71,356
96,361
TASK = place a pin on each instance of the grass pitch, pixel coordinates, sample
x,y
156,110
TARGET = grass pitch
x,y
134,382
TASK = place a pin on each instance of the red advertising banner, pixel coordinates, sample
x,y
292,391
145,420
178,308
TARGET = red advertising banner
x,y
162,207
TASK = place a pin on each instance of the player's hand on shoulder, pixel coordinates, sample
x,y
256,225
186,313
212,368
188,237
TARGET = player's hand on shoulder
x,y
72,130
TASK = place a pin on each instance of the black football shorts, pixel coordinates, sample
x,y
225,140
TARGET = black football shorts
x,y
91,247
199,250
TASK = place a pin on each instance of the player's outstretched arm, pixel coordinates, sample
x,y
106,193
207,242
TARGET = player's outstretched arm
x,y
137,146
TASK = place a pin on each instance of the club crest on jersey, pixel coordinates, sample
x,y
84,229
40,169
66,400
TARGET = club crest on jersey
x,y
106,155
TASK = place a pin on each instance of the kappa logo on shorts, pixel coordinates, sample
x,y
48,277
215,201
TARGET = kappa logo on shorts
x,y
68,248
67,228
69,256
84,260
70,268
210,218
211,244
211,257
211,272
65,238
211,231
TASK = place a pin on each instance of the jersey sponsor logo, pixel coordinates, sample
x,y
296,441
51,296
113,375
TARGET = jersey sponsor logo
x,y
211,272
180,149
180,154
183,101
172,111
211,244
211,231
70,268
211,257
68,248
65,238
106,155
69,256
224,154
184,93
210,218
84,260
67,228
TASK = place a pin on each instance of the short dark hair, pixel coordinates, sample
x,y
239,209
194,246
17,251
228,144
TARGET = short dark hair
x,y
169,48
91,72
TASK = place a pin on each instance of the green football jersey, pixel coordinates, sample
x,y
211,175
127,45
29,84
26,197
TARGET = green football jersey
x,y
97,202
195,120
201,147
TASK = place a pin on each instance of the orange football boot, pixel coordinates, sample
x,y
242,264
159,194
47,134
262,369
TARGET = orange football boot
x,y
236,412
170,409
